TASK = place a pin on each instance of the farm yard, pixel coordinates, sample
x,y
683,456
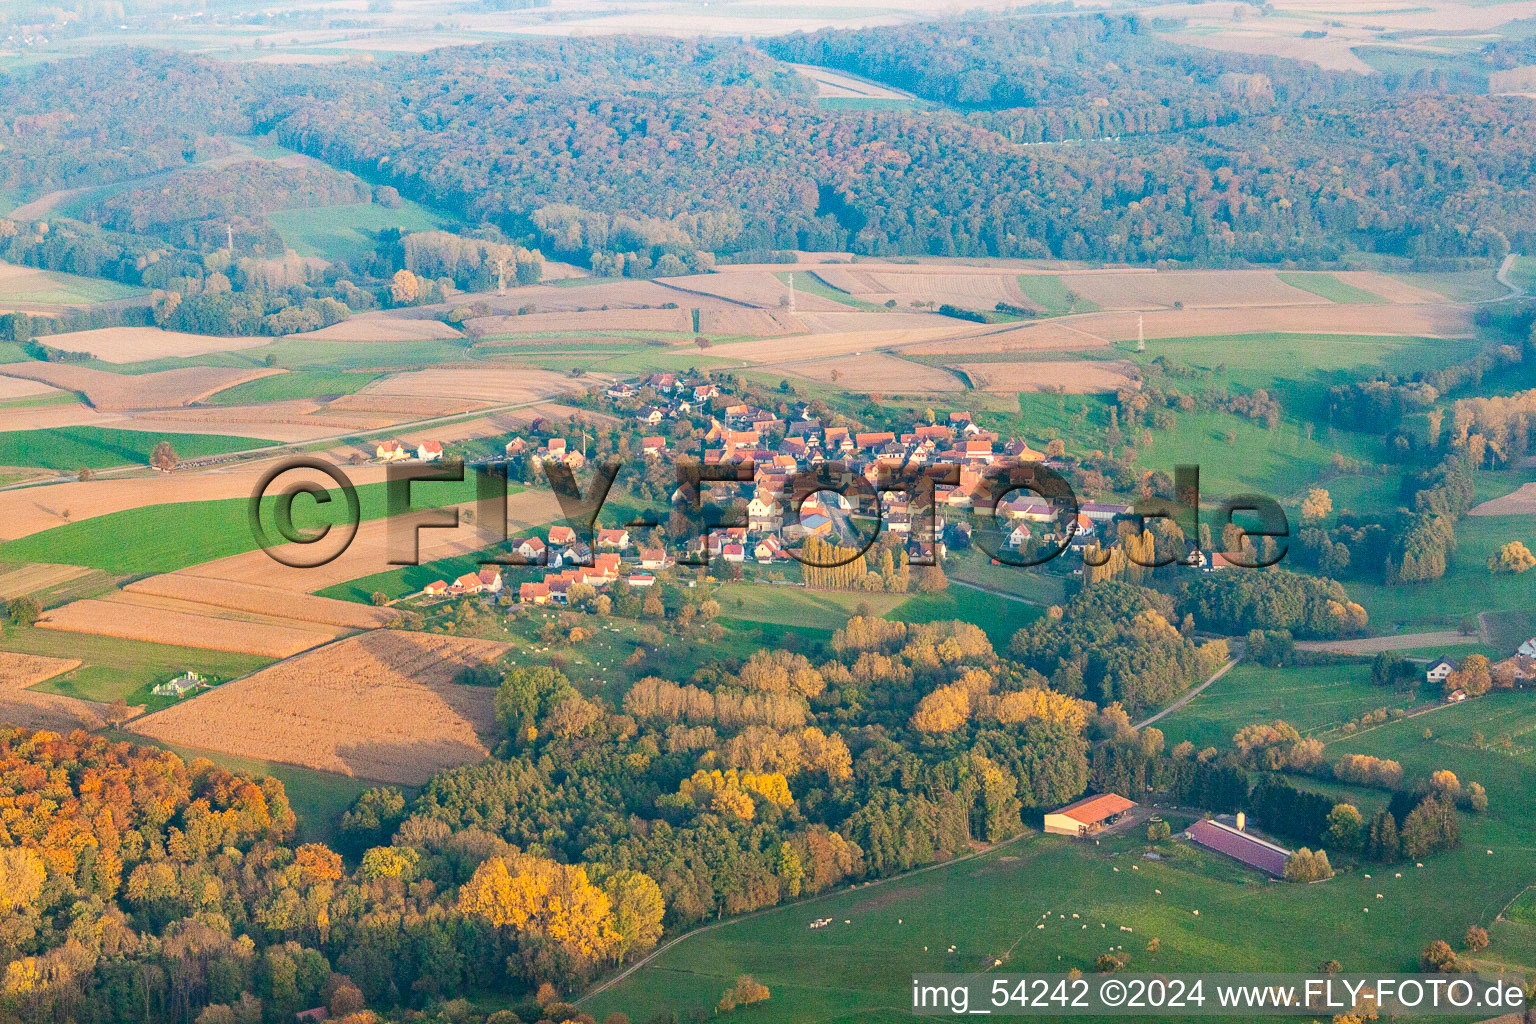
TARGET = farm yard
x,y
384,705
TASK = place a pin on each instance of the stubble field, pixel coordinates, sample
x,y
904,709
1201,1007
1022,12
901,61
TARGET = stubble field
x,y
382,705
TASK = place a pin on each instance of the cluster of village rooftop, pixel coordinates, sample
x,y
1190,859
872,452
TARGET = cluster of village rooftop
x,y
740,433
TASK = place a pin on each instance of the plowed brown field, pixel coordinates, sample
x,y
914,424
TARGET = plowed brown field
x,y
159,390
382,705
137,344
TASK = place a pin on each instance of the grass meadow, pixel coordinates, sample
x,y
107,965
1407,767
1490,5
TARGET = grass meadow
x,y
164,538
1052,295
1329,287
989,908
346,232
296,384
72,448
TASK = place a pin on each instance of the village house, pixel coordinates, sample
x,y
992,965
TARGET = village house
x,y
180,686
532,550
613,540
1439,671
429,451
652,447
436,588
391,451
490,579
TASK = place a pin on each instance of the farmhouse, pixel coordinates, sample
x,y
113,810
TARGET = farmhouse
x,y
1236,842
429,451
1527,649
561,535
435,588
613,539
1088,815
391,451
1437,672
180,686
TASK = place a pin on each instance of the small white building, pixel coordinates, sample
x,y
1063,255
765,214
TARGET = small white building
x,y
1439,671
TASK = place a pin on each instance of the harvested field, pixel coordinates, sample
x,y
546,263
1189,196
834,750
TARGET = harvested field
x,y
1083,376
15,387
21,706
30,578
979,290
413,407
854,320
480,382
760,323
595,320
1196,289
877,372
853,342
376,326
1518,503
46,417
1388,287
1401,642
383,705
250,597
370,550
160,390
1091,330
1058,335
30,510
547,298
746,288
138,344
135,621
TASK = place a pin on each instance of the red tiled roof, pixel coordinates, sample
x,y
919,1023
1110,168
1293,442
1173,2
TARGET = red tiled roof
x,y
1093,809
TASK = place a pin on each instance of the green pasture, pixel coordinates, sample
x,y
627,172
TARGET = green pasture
x,y
71,448
164,538
297,384
112,667
807,282
53,286
1316,699
1053,296
1329,287
346,232
1467,586
988,908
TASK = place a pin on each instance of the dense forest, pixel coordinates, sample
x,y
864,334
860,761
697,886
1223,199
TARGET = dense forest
x,y
607,149
138,887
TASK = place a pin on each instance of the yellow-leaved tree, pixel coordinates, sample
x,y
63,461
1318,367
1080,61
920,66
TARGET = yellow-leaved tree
x,y
543,899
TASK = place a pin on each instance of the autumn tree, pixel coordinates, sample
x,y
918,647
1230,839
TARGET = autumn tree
x,y
1475,676
404,288
164,457
1318,504
1513,557
745,991
546,901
